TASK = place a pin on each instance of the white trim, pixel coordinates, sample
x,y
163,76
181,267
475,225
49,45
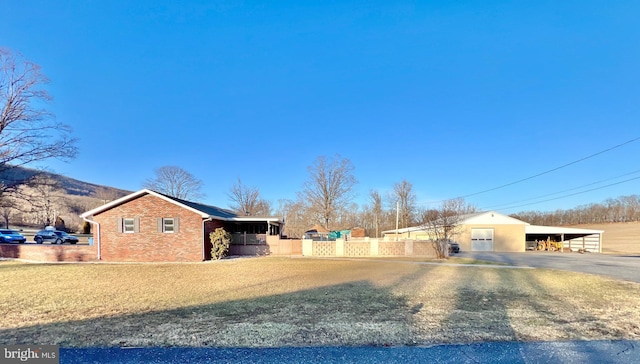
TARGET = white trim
x,y
202,214
479,218
539,229
97,234
135,195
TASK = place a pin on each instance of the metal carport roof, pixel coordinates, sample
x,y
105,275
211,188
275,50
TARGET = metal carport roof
x,y
539,229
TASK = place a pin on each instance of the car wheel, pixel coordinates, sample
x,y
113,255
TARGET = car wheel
x,y
59,241
38,240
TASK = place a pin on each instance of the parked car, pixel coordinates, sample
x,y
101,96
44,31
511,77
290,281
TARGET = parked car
x,y
11,236
454,247
54,237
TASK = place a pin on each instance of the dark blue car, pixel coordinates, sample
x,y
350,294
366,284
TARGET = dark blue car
x,y
54,237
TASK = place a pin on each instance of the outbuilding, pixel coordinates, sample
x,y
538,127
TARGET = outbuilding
x,y
493,231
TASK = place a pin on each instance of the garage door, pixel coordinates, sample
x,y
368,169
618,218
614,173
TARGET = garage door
x,y
482,240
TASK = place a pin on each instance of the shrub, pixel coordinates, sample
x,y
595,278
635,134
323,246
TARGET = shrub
x,y
86,228
220,241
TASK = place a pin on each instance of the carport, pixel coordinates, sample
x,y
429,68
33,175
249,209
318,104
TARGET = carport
x,y
575,239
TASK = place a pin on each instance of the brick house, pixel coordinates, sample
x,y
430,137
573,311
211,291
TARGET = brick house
x,y
147,226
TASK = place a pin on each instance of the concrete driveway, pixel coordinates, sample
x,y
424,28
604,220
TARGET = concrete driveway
x,y
614,266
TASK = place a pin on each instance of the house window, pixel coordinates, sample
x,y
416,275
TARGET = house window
x,y
168,225
128,225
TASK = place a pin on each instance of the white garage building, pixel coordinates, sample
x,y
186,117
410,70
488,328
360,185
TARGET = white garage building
x,y
492,231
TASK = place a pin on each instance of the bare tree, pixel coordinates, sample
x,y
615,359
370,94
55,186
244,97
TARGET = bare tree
x,y
246,200
329,187
105,194
443,224
175,182
621,209
45,198
297,217
7,208
404,199
376,210
28,133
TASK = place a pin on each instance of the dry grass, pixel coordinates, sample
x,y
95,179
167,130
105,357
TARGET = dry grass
x,y
618,238
280,301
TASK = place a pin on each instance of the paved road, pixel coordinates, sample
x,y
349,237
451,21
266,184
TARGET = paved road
x,y
620,351
620,267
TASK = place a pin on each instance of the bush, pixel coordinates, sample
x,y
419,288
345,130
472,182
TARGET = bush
x,y
220,241
86,227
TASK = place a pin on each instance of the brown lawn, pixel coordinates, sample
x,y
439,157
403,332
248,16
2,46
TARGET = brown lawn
x,y
266,302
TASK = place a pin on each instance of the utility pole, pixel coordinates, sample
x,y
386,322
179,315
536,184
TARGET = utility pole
x,y
397,217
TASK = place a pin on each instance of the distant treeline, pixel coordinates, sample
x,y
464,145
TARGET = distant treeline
x,y
621,209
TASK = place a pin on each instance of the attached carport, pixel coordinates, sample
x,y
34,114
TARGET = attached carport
x,y
572,238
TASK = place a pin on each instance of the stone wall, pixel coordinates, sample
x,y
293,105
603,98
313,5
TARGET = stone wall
x,y
367,248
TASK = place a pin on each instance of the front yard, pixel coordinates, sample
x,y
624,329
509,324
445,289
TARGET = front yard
x,y
284,302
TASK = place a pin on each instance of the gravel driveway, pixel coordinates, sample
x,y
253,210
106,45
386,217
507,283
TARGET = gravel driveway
x,y
614,266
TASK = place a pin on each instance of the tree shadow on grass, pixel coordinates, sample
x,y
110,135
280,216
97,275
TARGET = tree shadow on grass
x,y
518,307
523,313
355,313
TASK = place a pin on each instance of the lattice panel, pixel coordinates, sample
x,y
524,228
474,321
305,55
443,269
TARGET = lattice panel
x,y
357,249
391,248
324,248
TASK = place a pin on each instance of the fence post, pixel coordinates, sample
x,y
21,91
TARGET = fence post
x,y
339,247
307,247
374,247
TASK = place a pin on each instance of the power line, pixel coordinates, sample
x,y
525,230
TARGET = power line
x,y
540,174
553,169
573,194
563,191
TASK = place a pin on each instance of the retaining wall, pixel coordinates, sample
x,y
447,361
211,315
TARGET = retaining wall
x,y
49,252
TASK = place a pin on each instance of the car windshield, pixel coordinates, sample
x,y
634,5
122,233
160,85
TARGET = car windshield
x,y
5,231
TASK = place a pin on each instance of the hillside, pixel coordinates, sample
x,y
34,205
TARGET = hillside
x,y
621,237
71,186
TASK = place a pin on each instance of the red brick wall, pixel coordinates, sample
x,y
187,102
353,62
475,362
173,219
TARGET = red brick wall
x,y
49,252
150,245
209,227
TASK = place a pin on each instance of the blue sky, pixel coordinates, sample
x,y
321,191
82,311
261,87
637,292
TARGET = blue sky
x,y
456,97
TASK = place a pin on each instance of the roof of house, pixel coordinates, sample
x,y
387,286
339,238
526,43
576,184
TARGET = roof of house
x,y
318,229
206,211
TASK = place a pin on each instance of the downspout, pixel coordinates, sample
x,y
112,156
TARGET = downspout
x,y
204,238
97,232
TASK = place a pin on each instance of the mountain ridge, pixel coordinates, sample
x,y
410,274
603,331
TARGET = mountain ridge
x,y
16,175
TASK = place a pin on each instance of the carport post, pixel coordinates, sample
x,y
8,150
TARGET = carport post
x,y
562,241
